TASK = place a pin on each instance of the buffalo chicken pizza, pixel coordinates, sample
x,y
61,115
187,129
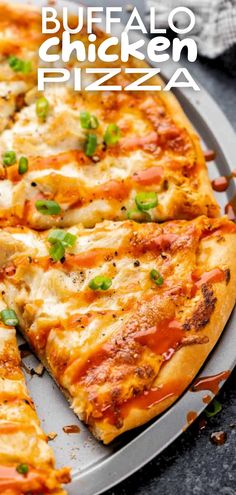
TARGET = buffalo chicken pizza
x,y
26,460
114,260
122,315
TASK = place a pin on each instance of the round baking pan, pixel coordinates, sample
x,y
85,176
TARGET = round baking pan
x,y
96,467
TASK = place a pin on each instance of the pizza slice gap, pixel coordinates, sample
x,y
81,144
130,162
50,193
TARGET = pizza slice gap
x,y
122,315
26,460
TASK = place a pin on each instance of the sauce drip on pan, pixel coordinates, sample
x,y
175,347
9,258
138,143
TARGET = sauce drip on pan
x,y
211,383
206,399
209,155
191,416
220,184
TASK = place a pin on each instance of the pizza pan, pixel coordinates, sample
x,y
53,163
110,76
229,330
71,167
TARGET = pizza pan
x,y
96,467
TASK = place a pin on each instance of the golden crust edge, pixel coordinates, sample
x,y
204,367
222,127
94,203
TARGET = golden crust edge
x,y
186,363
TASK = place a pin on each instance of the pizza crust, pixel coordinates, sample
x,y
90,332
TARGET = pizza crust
x,y
186,363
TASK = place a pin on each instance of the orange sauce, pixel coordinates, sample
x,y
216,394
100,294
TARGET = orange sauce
x,y
206,399
211,383
146,400
220,184
46,162
112,189
71,429
148,176
164,241
161,338
213,276
8,428
191,416
10,479
209,155
88,259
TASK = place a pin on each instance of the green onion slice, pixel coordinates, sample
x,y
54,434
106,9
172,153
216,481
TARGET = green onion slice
x,y
65,238
156,277
23,165
112,134
214,408
138,216
47,207
100,283
19,65
9,158
22,468
42,107
88,121
57,251
91,144
146,200
9,318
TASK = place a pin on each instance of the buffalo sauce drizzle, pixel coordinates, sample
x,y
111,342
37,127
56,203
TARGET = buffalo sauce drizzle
x,y
10,479
163,339
213,276
211,383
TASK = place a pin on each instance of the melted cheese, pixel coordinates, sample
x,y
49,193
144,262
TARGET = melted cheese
x,y
97,342
91,189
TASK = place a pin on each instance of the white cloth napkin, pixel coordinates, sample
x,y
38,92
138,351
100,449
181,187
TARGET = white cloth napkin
x,y
215,28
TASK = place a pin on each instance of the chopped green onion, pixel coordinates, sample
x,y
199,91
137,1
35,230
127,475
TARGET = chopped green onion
x,y
57,251
146,200
100,283
22,468
23,165
112,134
156,277
47,207
19,65
9,158
60,240
42,107
214,408
91,144
138,216
88,121
9,318
65,238
94,123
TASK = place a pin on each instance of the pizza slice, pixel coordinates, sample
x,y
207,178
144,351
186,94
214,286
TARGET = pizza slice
x,y
122,315
85,156
97,156
26,460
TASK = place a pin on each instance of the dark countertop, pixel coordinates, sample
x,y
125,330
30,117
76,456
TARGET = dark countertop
x,y
192,463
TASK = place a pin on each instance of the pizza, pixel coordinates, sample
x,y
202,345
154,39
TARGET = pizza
x,y
26,460
114,260
20,38
122,315
74,156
